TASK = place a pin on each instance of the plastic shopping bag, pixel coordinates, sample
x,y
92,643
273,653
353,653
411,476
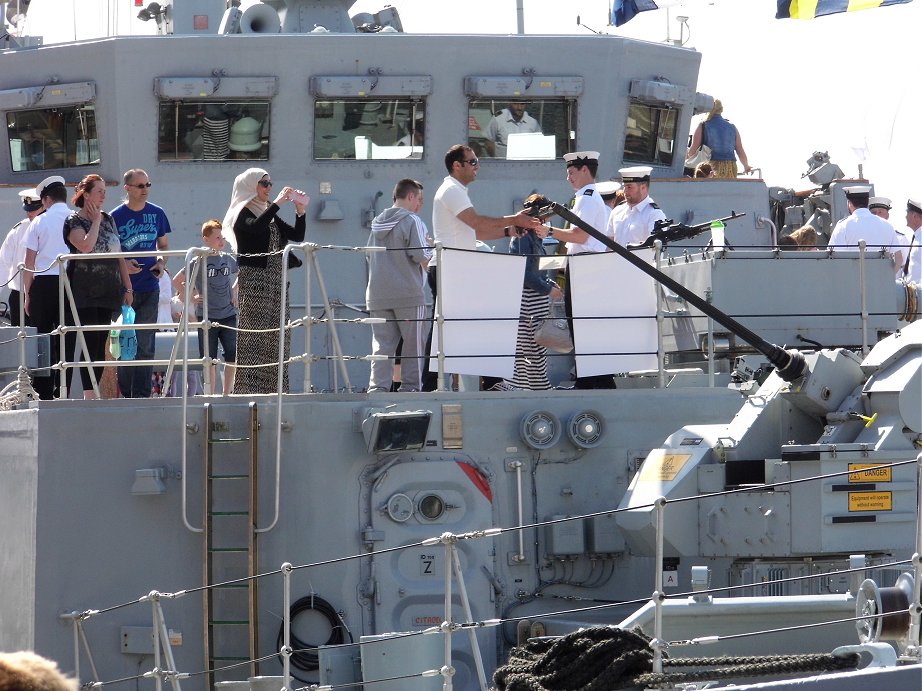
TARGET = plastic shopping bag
x,y
127,338
114,346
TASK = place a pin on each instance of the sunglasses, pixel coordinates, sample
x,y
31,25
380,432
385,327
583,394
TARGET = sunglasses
x,y
265,183
142,186
471,162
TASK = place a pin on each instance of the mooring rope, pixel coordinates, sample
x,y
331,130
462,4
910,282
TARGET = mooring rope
x,y
603,658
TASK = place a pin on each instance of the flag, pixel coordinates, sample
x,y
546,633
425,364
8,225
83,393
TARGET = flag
x,y
808,9
623,11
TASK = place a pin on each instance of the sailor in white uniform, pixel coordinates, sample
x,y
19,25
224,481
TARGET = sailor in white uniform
x,y
587,203
632,222
912,264
861,224
588,206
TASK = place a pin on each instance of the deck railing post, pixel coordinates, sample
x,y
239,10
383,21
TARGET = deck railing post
x,y
659,509
660,318
285,651
915,609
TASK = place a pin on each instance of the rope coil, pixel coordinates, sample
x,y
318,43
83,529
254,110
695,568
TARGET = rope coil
x,y
604,658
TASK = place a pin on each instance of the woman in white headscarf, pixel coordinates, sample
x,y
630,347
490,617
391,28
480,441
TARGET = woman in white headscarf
x,y
258,235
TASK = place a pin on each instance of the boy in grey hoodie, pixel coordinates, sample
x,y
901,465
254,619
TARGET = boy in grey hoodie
x,y
396,288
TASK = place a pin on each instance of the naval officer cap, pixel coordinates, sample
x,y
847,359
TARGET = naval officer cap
x,y
49,183
581,158
857,193
635,174
880,203
30,200
607,188
914,205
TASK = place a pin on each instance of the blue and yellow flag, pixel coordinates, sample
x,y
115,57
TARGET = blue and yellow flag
x,y
808,9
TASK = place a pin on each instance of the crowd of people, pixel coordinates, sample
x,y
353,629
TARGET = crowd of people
x,y
238,291
242,303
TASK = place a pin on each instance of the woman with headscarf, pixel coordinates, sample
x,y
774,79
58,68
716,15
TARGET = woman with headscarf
x,y
724,140
258,235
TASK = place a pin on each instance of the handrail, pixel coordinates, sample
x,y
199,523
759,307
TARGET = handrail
x,y
336,356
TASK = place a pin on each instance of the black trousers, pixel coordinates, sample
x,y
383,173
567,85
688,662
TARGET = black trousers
x,y
44,315
95,344
430,380
14,302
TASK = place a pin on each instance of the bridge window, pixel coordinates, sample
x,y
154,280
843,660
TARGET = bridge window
x,y
363,129
523,130
48,138
213,130
650,134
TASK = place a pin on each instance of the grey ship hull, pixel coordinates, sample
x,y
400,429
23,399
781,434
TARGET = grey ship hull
x,y
77,538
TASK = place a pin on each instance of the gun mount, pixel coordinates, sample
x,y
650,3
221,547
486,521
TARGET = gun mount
x,y
667,231
789,364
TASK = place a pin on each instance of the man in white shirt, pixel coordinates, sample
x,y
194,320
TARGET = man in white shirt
x,y
861,224
455,222
632,222
511,120
13,252
44,243
912,265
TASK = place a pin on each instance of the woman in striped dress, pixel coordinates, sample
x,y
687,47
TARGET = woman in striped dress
x,y
531,359
259,235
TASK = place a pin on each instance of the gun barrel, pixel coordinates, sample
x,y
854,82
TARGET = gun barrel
x,y
790,364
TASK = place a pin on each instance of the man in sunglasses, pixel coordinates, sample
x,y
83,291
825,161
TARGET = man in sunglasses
x,y
455,222
142,227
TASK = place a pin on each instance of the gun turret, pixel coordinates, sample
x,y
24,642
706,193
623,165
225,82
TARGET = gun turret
x,y
789,364
667,231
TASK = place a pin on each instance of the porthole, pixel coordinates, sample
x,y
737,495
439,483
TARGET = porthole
x,y
431,506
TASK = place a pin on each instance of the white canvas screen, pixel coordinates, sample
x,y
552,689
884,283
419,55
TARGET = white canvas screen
x,y
531,146
481,295
614,310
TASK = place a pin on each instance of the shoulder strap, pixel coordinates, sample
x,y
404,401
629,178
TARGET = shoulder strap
x,y
908,255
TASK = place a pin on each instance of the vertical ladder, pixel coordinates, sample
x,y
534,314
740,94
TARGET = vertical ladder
x,y
230,504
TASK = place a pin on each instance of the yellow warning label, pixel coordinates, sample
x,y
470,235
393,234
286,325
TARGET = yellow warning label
x,y
663,467
870,501
875,475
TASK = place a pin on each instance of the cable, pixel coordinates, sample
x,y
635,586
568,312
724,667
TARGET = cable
x,y
305,655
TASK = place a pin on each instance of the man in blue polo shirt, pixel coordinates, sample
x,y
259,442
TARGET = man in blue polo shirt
x,y
142,227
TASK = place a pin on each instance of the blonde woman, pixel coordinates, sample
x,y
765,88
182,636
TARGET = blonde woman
x,y
724,140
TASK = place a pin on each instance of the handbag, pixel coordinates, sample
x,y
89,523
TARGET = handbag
x,y
703,156
553,332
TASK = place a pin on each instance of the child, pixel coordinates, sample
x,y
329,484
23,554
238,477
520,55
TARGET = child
x,y
220,269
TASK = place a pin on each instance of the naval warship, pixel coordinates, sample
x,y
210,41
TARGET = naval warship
x,y
758,498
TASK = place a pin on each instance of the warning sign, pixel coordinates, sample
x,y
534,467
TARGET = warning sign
x,y
875,475
663,467
870,501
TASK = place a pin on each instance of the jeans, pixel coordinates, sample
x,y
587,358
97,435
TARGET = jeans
x,y
134,382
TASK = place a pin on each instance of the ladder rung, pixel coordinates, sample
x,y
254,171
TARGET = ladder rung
x,y
228,622
228,549
228,440
229,513
228,477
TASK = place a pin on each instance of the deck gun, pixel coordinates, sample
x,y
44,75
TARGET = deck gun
x,y
667,231
789,364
